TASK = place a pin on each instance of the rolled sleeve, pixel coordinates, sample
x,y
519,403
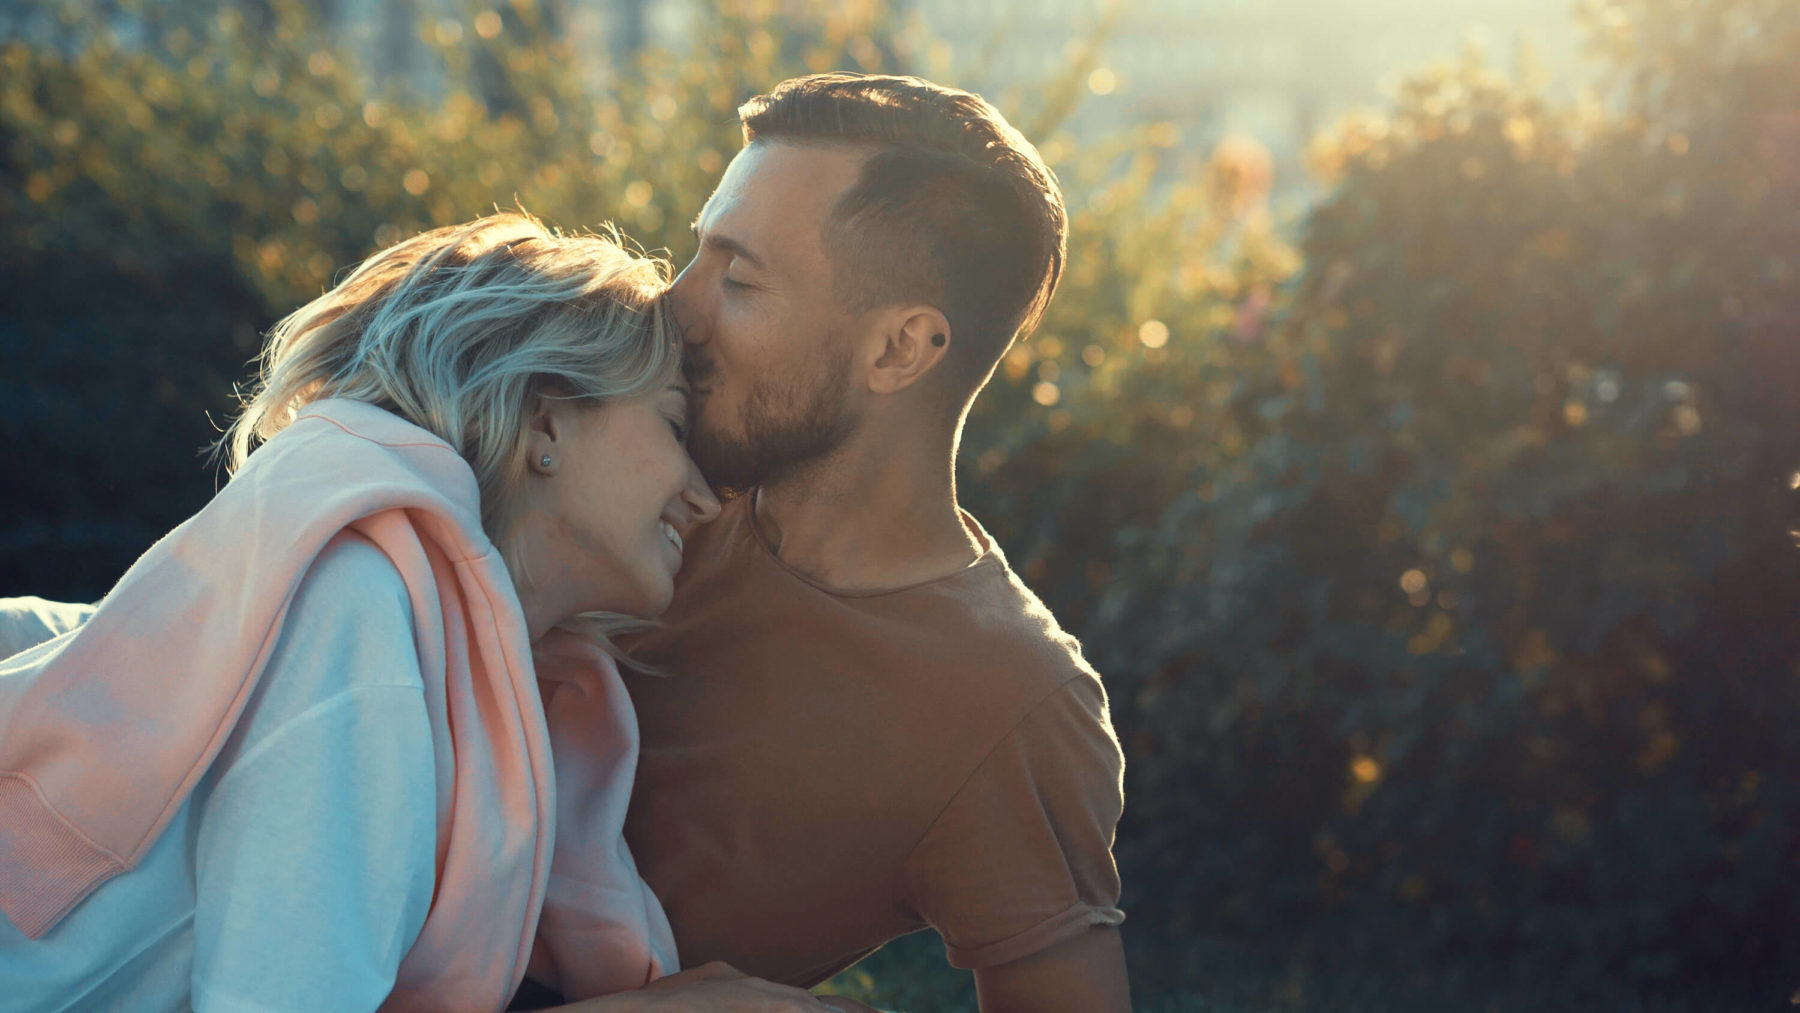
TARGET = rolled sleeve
x,y
1021,858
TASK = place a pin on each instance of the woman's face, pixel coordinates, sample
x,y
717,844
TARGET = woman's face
x,y
604,522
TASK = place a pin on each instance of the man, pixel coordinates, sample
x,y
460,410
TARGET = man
x,y
861,723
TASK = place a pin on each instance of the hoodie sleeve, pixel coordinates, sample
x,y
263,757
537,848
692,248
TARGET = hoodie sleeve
x,y
27,622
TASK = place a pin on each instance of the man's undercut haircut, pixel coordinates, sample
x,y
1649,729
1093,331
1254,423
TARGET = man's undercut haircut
x,y
954,207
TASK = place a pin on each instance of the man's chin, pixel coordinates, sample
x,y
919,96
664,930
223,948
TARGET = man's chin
x,y
765,450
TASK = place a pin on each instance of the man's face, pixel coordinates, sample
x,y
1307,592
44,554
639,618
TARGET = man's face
x,y
769,349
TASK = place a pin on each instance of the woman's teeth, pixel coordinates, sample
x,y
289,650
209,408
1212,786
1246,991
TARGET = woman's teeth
x,y
672,535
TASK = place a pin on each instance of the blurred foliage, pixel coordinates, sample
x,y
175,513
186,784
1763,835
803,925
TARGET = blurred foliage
x,y
1439,563
1446,590
1230,974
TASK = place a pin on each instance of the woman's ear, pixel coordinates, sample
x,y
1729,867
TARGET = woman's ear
x,y
914,340
545,427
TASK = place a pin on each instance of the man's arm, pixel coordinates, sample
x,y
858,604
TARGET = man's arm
x,y
1085,974
714,988
1016,874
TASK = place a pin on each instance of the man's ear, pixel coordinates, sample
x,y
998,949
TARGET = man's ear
x,y
912,341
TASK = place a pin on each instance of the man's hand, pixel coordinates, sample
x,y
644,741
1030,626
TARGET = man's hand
x,y
715,988
1086,974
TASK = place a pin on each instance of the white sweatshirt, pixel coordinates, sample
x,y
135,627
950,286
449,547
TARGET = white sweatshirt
x,y
300,870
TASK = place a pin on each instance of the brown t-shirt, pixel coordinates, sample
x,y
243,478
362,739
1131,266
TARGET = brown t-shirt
x,y
823,772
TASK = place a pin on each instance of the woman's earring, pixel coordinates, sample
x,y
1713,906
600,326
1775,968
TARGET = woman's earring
x,y
544,462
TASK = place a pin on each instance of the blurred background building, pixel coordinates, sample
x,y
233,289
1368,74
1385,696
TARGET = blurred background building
x,y
1276,71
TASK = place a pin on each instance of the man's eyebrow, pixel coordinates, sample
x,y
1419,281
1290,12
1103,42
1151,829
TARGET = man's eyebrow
x,y
737,249
728,244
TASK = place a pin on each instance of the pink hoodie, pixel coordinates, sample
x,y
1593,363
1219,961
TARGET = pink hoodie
x,y
105,730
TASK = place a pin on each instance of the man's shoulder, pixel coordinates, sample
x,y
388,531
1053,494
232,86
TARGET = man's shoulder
x,y
1001,666
999,608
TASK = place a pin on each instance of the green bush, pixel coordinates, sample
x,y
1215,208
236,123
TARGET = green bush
x,y
1448,599
1439,564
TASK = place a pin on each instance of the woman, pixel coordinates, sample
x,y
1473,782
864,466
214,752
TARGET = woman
x,y
298,758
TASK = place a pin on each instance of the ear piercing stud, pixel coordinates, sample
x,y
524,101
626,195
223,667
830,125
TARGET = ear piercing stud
x,y
544,462
938,340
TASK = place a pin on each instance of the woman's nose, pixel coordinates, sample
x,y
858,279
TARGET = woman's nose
x,y
684,307
701,504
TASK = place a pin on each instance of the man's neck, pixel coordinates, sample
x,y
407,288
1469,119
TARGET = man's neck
x,y
865,520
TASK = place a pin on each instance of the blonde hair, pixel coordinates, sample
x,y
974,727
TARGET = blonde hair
x,y
459,330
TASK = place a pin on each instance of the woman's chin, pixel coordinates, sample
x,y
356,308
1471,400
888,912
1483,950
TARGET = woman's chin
x,y
658,604
651,603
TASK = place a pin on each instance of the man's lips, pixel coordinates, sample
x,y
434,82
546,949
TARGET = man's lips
x,y
697,370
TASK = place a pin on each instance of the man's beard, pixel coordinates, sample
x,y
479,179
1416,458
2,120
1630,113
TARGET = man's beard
x,y
784,426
